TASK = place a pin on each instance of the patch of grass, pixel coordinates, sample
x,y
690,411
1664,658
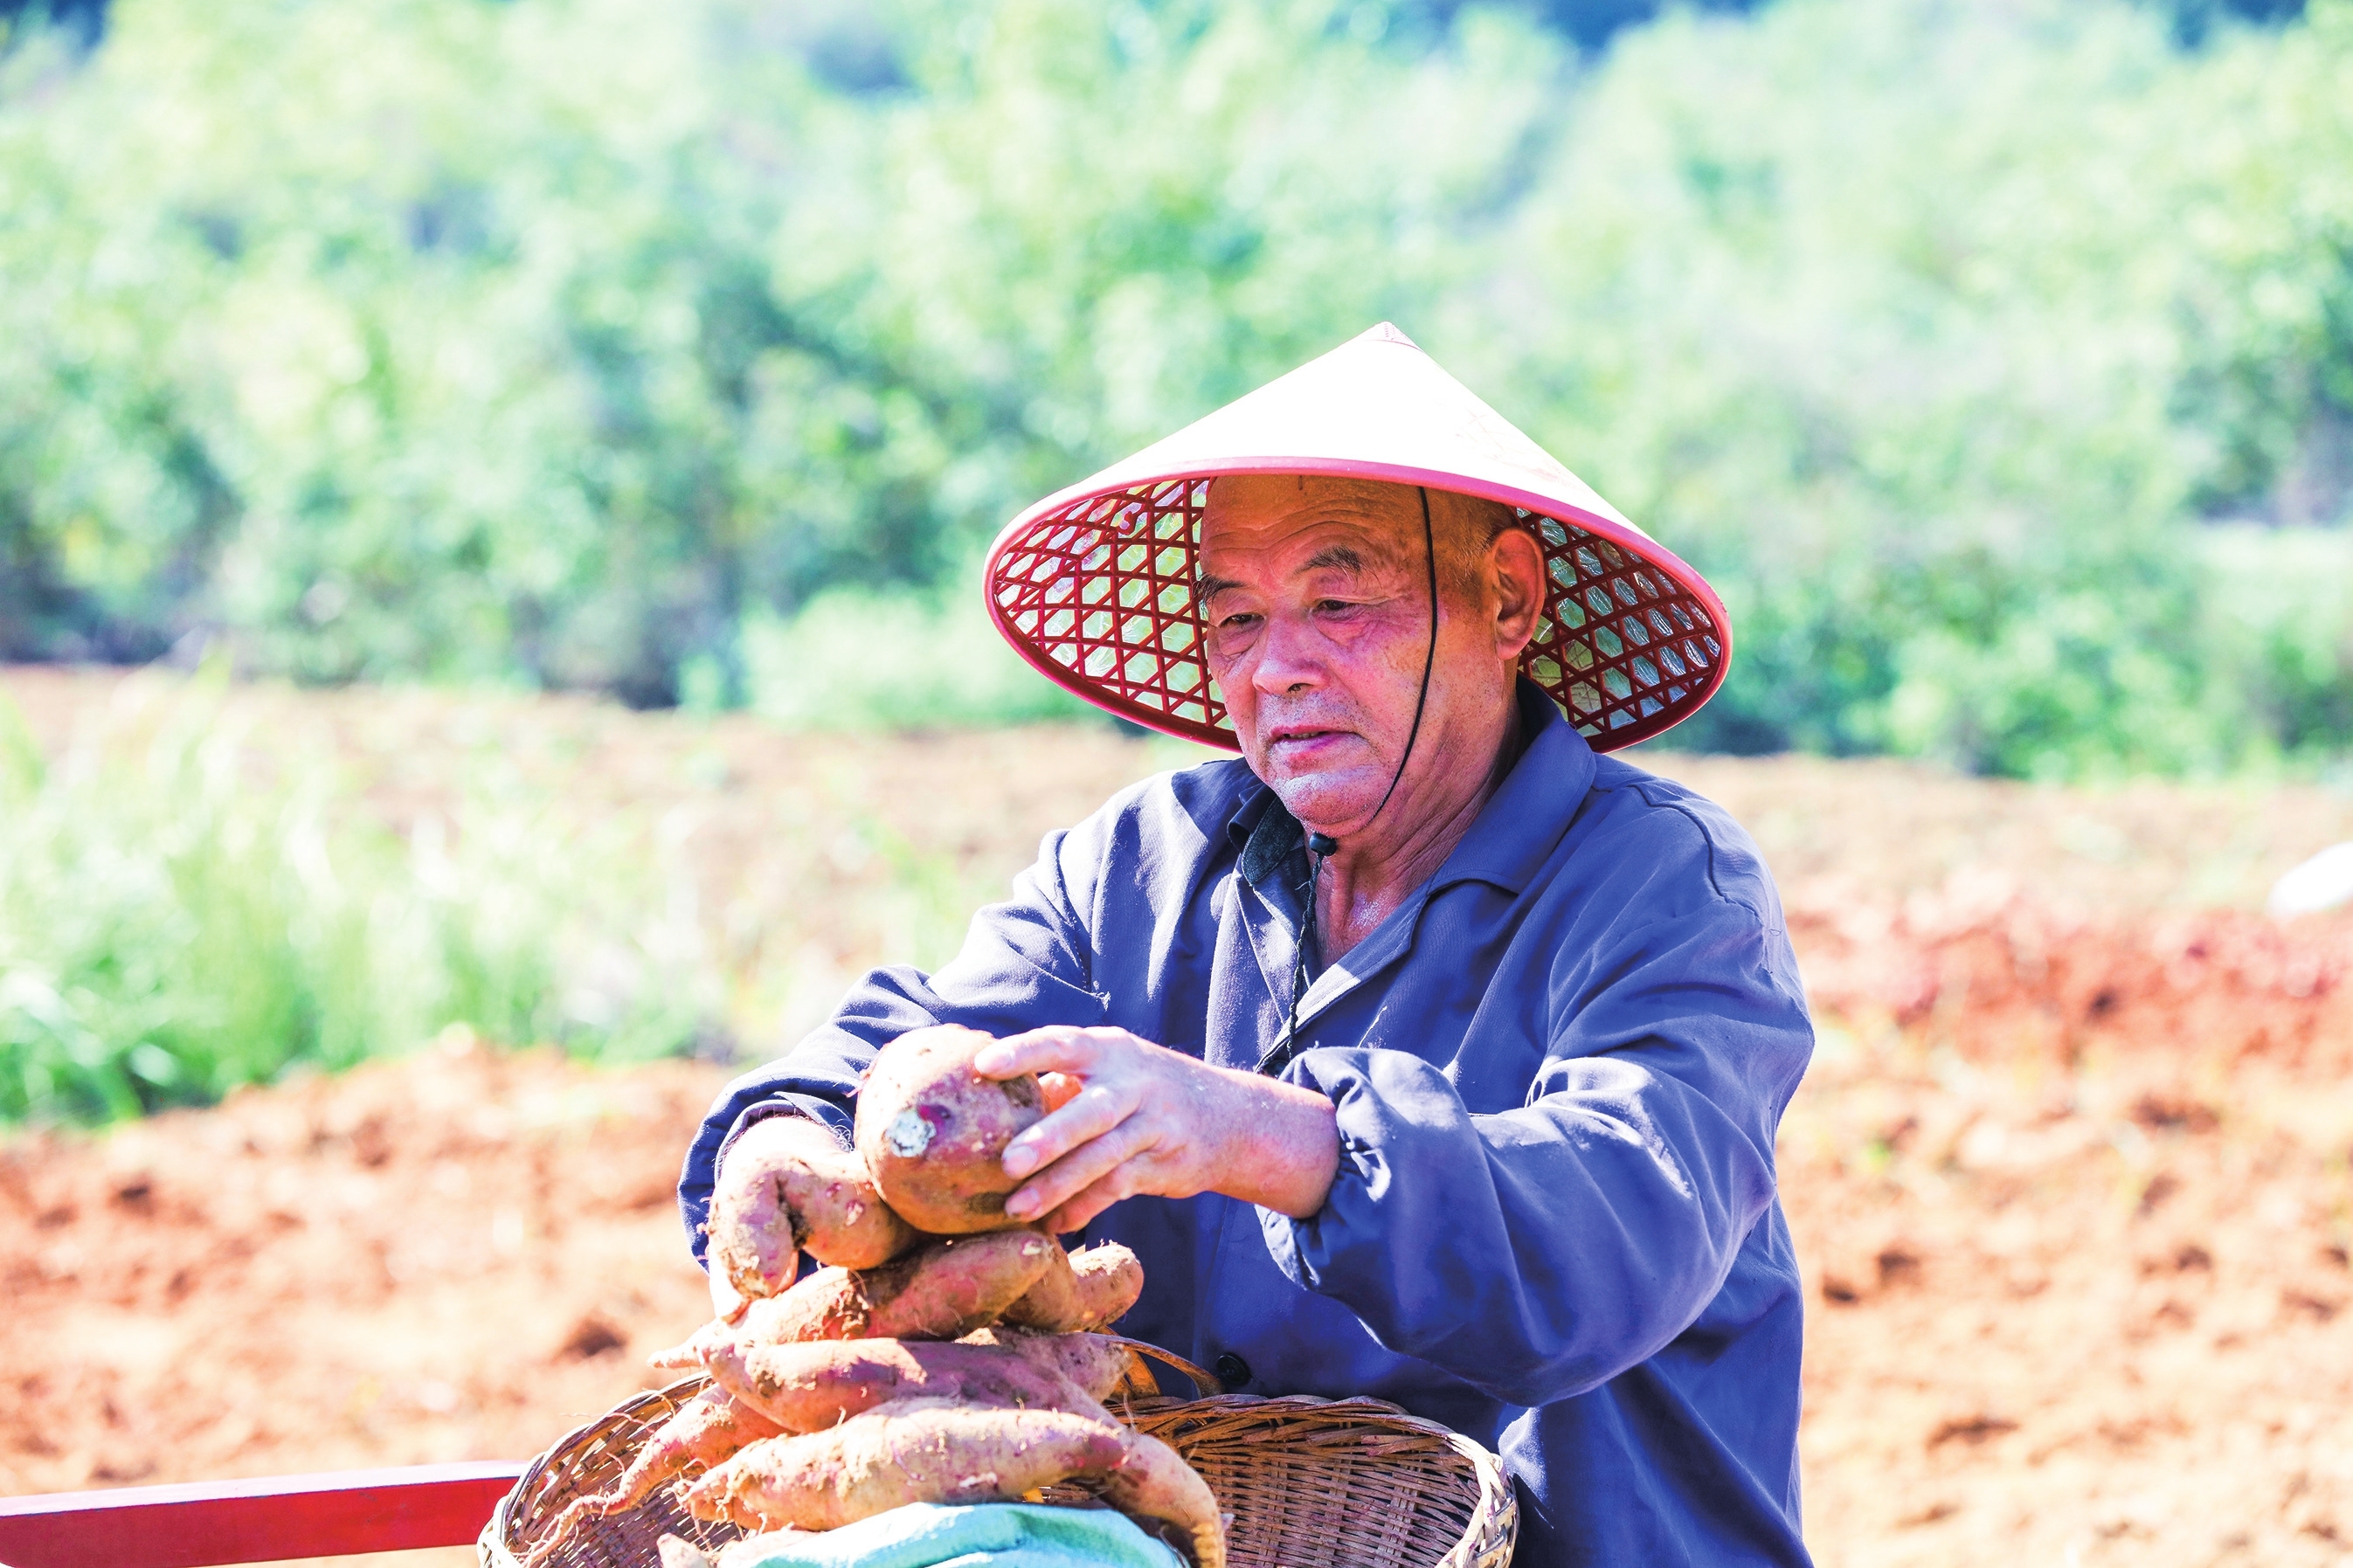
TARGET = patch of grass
x,y
856,660
184,909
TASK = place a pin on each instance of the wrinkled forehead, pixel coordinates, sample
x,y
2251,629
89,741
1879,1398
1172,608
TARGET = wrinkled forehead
x,y
1253,513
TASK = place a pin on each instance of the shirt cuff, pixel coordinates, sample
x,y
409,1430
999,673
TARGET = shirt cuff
x,y
1297,1246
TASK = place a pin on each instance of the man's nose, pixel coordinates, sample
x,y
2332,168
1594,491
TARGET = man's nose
x,y
1289,659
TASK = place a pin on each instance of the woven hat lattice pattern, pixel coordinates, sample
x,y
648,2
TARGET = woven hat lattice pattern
x,y
1099,596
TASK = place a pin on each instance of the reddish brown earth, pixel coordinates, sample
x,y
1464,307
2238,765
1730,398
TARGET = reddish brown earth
x,y
2077,1243
457,1255
2070,1177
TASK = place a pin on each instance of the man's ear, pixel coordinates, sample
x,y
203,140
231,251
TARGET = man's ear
x,y
1515,577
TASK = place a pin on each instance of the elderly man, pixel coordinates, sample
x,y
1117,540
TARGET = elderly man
x,y
1421,1053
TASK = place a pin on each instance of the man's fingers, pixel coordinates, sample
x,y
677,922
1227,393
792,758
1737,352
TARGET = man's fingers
x,y
1094,1110
1068,1176
1077,1212
1059,1048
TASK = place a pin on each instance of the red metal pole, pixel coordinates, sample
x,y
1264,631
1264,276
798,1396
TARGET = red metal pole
x,y
260,1520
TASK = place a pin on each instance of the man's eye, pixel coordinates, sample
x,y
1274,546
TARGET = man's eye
x,y
1331,607
1239,620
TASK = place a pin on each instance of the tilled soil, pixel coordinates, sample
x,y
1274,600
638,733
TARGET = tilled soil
x,y
2081,1296
2069,1178
459,1256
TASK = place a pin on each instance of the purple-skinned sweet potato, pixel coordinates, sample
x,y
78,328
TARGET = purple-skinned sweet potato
x,y
810,1387
932,1131
1152,1480
928,1449
1081,1291
942,1290
786,1187
913,1450
706,1430
1102,1364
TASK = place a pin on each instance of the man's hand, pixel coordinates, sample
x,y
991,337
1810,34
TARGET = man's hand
x,y
1129,1117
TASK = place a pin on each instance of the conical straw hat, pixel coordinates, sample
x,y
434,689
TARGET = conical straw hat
x,y
1095,585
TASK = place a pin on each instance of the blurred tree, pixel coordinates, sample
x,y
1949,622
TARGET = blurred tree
x,y
82,21
562,341
852,50
1592,23
2195,21
1915,369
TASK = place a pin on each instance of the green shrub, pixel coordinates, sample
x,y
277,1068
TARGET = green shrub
x,y
588,344
172,925
2276,632
857,660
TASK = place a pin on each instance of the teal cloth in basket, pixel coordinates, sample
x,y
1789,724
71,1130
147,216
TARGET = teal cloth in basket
x,y
964,1535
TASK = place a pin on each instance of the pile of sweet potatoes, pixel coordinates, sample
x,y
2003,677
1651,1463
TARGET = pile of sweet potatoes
x,y
942,1353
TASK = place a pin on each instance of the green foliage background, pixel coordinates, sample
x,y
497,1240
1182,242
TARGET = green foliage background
x,y
1995,360
187,905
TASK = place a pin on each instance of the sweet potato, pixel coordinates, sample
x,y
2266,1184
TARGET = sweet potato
x,y
705,1430
1152,1480
787,1187
815,1309
1089,1290
915,1450
953,1287
1098,1364
809,1387
939,1291
932,1131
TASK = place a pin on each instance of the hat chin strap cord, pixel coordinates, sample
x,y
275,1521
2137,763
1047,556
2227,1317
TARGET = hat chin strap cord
x,y
1321,846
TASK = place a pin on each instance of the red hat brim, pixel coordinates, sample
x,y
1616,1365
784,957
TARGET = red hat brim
x,y
1095,586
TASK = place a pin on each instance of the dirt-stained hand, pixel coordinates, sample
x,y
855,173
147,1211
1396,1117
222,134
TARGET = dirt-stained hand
x,y
1132,1118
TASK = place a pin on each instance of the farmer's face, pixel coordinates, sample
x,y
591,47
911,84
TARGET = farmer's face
x,y
1316,596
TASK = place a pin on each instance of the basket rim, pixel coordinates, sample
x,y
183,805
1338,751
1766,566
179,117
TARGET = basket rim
x,y
1497,1502
493,1539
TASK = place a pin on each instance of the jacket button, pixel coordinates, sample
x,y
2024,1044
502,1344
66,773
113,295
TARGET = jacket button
x,y
1232,1370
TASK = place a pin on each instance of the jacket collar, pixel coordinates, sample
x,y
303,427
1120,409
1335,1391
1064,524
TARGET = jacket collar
x,y
1514,833
1507,843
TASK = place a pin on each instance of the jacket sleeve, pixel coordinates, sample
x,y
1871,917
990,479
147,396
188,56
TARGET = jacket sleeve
x,y
1538,1252
1025,962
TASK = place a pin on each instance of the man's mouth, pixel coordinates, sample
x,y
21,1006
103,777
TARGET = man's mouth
x,y
1284,734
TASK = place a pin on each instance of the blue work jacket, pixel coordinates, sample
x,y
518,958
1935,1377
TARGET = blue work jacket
x,y
1557,1069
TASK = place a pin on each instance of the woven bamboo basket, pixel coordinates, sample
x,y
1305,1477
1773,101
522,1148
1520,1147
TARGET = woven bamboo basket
x,y
1310,1483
